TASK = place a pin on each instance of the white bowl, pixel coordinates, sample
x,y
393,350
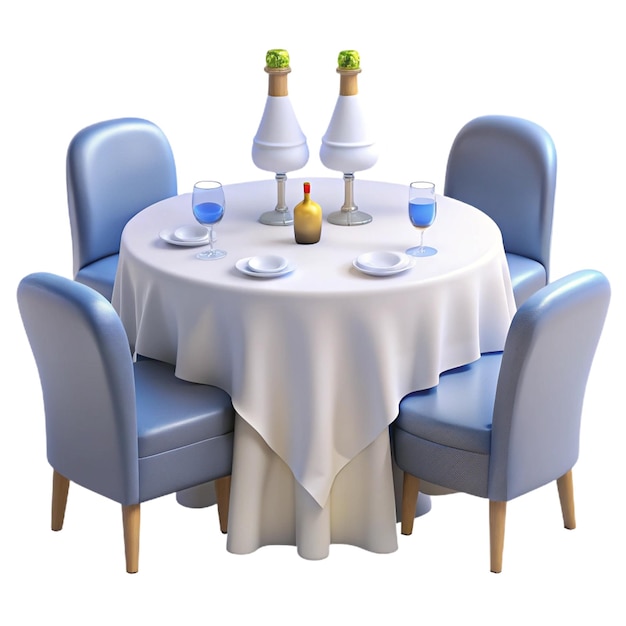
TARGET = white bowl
x,y
267,263
192,232
383,260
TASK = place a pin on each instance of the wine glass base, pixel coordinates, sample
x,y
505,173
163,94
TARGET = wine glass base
x,y
276,218
422,251
349,218
211,255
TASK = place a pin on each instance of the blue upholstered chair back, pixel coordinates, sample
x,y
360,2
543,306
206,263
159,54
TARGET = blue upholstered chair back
x,y
115,169
541,385
506,166
86,373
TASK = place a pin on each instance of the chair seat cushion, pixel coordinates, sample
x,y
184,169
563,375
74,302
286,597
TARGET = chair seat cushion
x,y
457,412
172,413
527,276
100,275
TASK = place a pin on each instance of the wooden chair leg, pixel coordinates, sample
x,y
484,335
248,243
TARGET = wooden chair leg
x,y
565,485
410,492
222,492
60,487
497,518
131,519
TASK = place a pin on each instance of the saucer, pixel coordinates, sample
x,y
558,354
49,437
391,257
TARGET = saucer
x,y
268,263
192,232
169,236
243,266
382,270
381,263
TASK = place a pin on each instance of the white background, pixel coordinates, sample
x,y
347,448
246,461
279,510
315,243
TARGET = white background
x,y
196,69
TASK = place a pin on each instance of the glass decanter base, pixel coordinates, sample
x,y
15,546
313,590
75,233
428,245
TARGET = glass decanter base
x,y
276,218
349,218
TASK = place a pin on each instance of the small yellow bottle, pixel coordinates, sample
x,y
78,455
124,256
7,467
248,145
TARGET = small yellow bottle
x,y
307,218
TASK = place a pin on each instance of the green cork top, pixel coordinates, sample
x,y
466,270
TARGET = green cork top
x,y
349,60
277,58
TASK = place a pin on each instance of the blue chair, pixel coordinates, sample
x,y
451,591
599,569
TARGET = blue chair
x,y
506,167
114,169
509,422
128,431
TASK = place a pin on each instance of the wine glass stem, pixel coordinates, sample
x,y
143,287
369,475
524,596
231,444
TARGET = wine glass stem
x,y
421,240
210,238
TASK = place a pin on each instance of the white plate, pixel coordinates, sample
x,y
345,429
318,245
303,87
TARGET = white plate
x,y
192,232
242,266
383,261
168,235
268,263
372,271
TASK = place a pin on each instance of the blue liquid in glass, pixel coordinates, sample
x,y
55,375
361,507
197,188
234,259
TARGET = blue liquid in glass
x,y
422,212
208,212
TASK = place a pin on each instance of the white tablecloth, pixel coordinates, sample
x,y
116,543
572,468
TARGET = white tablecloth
x,y
316,361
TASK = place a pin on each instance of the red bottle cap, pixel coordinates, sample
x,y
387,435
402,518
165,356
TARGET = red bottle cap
x,y
307,187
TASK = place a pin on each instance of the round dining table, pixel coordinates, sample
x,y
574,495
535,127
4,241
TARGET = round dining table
x,y
316,359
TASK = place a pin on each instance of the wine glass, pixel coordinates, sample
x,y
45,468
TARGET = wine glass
x,y
422,212
208,204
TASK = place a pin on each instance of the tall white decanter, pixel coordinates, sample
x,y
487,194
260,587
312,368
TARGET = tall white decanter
x,y
347,145
279,145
